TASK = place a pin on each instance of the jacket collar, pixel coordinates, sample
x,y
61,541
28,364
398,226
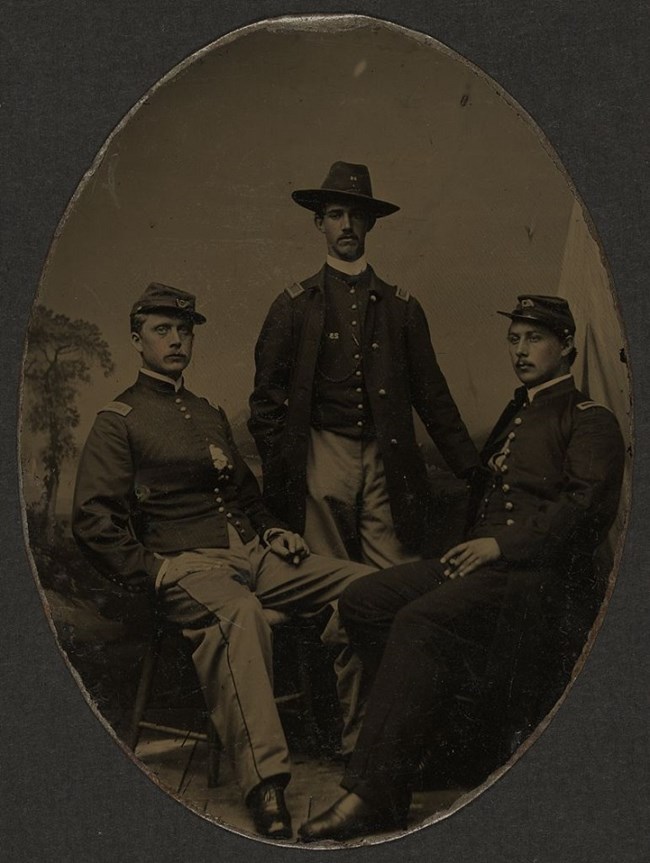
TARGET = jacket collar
x,y
160,383
549,391
317,282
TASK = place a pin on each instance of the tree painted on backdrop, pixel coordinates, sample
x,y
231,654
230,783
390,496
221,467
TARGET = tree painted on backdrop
x,y
61,353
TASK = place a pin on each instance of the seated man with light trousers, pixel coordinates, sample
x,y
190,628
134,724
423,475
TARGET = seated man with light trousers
x,y
164,502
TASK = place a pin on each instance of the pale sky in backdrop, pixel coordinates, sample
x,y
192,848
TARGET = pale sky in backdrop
x,y
194,191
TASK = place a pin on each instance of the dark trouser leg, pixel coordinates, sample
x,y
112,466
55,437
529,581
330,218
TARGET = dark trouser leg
x,y
368,607
436,641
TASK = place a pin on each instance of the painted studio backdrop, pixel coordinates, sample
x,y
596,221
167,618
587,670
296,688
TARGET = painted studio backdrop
x,y
194,190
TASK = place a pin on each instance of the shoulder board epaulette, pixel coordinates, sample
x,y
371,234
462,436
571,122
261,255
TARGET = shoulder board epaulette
x,y
294,290
402,294
117,408
583,406
216,406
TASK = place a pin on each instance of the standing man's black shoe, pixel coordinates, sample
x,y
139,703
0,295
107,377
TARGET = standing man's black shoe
x,y
348,818
269,811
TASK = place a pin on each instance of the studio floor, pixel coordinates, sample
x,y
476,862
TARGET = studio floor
x,y
180,766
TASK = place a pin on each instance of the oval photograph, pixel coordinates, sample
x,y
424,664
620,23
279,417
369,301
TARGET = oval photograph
x,y
325,432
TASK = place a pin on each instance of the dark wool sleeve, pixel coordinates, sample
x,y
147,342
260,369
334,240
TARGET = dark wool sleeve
x,y
273,371
588,502
432,399
101,510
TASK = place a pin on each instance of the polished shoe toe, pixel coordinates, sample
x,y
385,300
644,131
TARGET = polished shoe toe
x,y
348,818
269,811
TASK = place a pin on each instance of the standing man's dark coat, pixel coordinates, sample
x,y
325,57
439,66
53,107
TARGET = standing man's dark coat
x,y
401,372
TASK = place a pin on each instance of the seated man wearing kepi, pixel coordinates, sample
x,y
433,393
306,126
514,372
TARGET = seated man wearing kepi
x,y
553,473
164,502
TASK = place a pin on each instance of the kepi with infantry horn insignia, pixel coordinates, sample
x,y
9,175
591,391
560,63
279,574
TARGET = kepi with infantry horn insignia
x,y
552,312
165,298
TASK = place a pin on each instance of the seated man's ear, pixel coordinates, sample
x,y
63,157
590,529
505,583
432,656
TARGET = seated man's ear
x,y
136,342
318,221
568,345
371,221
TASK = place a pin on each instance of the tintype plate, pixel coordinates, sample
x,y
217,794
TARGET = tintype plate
x,y
193,188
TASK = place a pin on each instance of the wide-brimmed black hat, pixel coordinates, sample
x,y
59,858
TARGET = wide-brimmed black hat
x,y
552,312
348,182
165,298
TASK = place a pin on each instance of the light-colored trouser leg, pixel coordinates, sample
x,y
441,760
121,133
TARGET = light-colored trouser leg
x,y
347,504
347,497
202,591
209,593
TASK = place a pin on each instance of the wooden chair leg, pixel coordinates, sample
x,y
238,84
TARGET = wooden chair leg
x,y
304,677
214,755
144,689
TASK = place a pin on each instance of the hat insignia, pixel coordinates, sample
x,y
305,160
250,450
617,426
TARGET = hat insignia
x,y
182,304
527,304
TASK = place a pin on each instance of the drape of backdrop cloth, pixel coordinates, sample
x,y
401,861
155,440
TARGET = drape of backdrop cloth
x,y
600,369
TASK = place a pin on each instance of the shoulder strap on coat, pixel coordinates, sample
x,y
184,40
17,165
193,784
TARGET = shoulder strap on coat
x,y
583,406
294,290
117,408
402,294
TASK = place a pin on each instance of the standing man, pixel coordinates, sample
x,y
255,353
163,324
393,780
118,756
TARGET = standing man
x,y
341,360
427,630
164,502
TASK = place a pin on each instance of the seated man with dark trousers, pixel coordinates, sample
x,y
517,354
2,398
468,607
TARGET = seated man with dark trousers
x,y
164,502
550,493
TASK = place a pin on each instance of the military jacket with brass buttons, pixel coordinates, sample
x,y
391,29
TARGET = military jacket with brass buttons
x,y
398,371
555,468
160,472
340,401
